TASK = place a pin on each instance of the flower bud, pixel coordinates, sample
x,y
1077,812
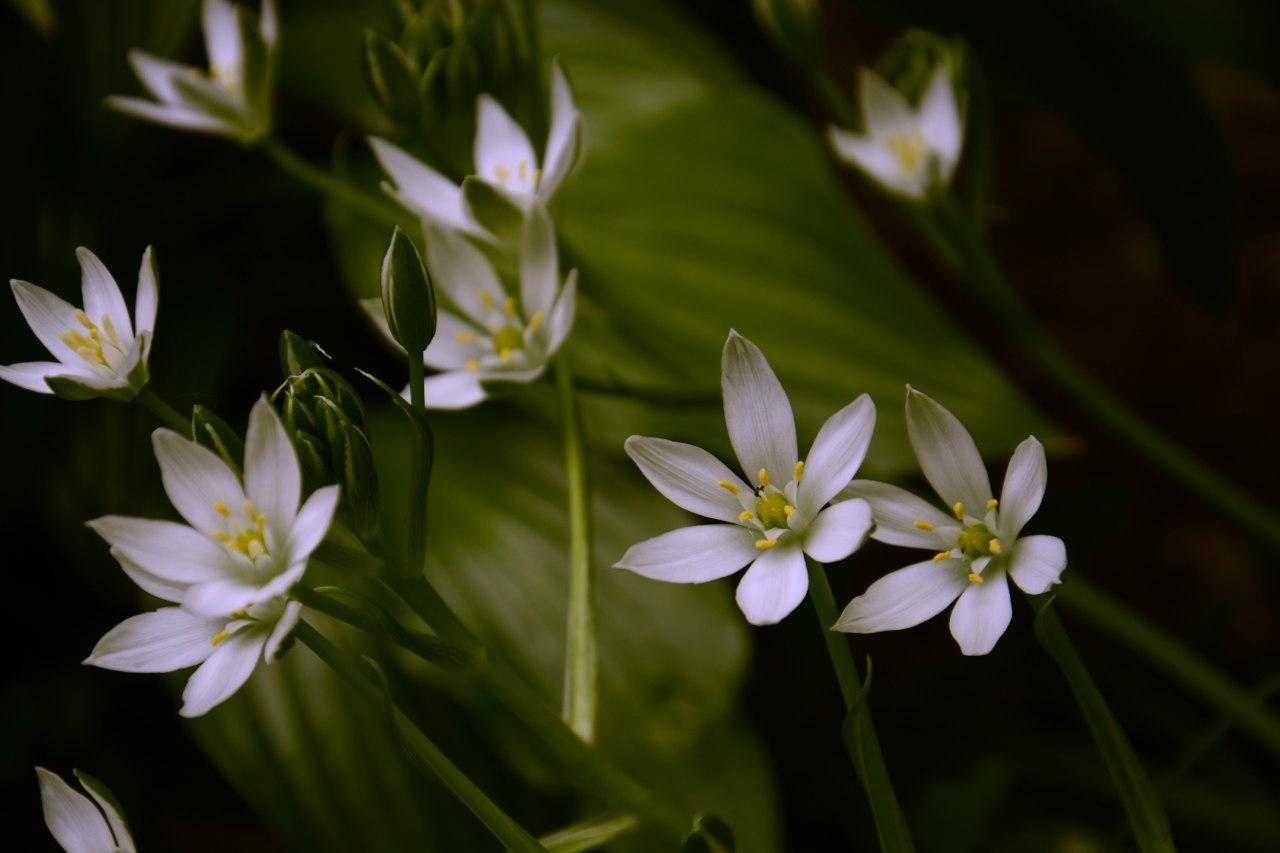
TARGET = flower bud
x,y
407,295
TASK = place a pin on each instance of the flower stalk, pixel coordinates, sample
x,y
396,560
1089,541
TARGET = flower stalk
x,y
162,411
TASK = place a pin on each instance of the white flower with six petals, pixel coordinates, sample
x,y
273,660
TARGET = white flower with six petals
x,y
768,526
978,541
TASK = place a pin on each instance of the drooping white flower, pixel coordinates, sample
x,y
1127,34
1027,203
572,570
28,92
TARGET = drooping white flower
x,y
977,541
233,98
246,545
100,350
494,337
503,158
906,150
78,824
772,523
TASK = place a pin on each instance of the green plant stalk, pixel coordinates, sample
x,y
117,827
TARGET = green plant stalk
x,y
988,282
356,675
1201,745
420,474
859,729
1170,657
580,664
1142,805
326,184
163,412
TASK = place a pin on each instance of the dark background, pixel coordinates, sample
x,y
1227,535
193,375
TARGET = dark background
x,y
1136,204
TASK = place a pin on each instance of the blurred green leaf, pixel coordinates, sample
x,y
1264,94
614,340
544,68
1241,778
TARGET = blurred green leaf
x,y
589,834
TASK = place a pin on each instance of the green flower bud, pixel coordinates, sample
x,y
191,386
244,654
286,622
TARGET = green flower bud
x,y
297,354
407,295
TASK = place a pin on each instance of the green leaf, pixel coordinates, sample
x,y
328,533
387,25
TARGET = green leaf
x,y
213,432
297,354
589,834
1146,814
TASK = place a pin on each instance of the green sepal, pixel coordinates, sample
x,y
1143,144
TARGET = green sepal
x,y
211,431
492,209
68,388
408,297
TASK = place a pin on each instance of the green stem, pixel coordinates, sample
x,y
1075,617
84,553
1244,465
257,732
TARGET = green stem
x,y
326,184
163,412
580,643
1201,745
859,729
357,676
989,283
1175,660
420,473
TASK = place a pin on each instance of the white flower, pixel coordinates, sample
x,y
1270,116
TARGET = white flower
x,y
100,350
76,823
246,546
908,151
233,98
495,338
977,540
503,157
770,527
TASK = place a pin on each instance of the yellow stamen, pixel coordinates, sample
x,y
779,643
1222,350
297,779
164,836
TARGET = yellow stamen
x,y
254,548
941,555
473,365
926,526
223,536
957,509
974,577
522,171
509,306
486,300
908,149
746,515
535,321
729,486
221,508
502,173
465,337
788,510
762,477
504,355
766,544
995,547
221,637
992,503
83,319
797,472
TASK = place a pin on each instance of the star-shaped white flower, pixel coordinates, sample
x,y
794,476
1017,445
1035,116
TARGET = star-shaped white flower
x,y
495,337
978,541
233,98
247,544
907,150
78,824
503,158
773,523
100,350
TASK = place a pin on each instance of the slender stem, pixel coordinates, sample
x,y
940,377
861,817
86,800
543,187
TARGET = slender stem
x,y
162,411
1175,660
420,473
580,643
356,675
1200,746
327,184
860,738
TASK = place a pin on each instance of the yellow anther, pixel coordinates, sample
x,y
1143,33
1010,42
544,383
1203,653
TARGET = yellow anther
x,y
908,149
254,548
995,547
746,515
486,300
957,509
111,332
536,320
766,544
729,486
473,365
221,508
974,577
223,536
509,306
465,337
250,508
83,319
523,170
762,477
788,510
797,472
992,503
502,173
941,555
221,637
504,355
926,526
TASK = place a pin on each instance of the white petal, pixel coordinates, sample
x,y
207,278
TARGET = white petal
x,y
940,121
695,554
223,597
757,412
171,551
161,641
422,189
501,147
284,626
223,673
947,454
50,317
464,274
196,478
456,342
73,820
565,137
883,107
272,475
147,301
836,454
774,585
457,389
31,374
222,38
115,820
905,598
312,523
1037,563
838,531
1023,489
896,512
149,581
872,156
561,321
539,265
688,476
171,115
157,75
982,614
102,296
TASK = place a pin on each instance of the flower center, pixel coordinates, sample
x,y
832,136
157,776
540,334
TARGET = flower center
x,y
977,541
908,149
245,533
91,344
506,341
773,510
